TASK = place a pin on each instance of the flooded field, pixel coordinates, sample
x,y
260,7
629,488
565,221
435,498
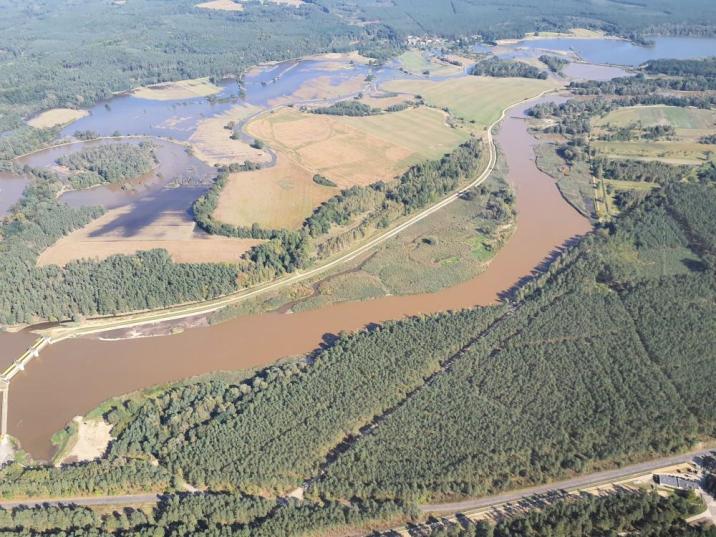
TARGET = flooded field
x,y
73,377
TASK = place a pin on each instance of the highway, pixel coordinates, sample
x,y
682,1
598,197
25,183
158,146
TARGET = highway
x,y
577,483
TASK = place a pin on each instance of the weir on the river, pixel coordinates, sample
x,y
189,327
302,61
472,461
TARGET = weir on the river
x,y
12,370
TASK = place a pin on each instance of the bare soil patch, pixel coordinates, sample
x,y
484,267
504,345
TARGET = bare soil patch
x,y
91,440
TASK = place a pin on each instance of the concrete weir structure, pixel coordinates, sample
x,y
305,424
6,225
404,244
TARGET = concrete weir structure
x,y
7,376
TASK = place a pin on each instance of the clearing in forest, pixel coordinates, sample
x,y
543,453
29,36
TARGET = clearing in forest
x,y
418,62
348,150
181,89
652,116
474,98
172,232
56,116
90,441
681,146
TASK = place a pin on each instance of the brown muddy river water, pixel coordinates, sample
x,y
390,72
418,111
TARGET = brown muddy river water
x,y
74,376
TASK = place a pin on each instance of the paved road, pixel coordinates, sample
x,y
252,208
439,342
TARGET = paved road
x,y
582,482
128,499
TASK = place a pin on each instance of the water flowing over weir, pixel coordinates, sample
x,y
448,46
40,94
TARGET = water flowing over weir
x,y
72,377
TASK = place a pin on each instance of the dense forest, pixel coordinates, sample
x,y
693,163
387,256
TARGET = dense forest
x,y
110,163
198,515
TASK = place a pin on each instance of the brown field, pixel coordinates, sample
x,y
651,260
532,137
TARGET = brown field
x,y
358,150
321,88
56,116
224,5
348,150
212,142
181,89
278,197
171,232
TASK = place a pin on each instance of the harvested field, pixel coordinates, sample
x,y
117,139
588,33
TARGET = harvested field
x,y
474,98
181,89
278,197
212,143
347,150
221,5
56,116
323,88
173,232
358,150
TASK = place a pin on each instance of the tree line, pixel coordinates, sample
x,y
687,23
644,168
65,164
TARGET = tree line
x,y
504,68
108,163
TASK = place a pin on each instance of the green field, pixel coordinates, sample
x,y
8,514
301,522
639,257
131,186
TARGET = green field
x,y
690,124
476,99
649,116
424,131
670,152
417,62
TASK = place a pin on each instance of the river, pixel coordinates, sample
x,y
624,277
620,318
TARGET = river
x,y
74,376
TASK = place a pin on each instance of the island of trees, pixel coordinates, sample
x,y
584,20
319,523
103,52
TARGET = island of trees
x,y
114,163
